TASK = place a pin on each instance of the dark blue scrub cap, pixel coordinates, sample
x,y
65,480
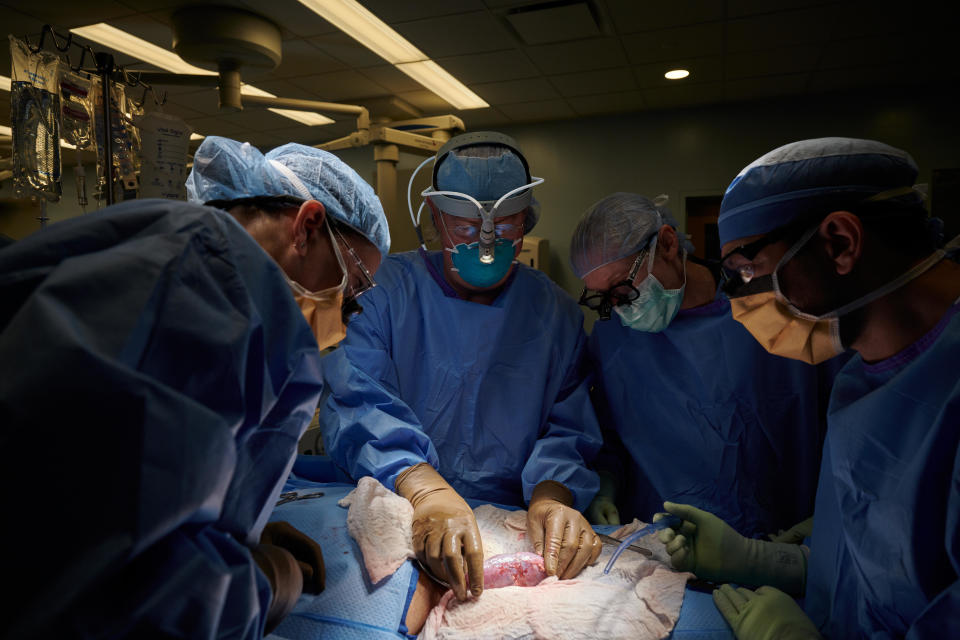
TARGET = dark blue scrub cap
x,y
811,176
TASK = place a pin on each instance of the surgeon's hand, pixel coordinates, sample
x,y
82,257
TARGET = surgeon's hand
x,y
445,534
603,509
559,532
711,549
304,549
764,614
795,534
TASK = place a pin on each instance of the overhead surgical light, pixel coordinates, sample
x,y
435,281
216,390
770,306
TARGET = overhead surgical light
x,y
676,74
140,49
363,26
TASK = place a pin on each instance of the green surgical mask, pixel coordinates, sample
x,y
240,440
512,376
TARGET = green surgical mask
x,y
655,308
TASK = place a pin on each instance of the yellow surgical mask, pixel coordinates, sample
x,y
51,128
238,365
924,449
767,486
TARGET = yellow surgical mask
x,y
323,309
784,330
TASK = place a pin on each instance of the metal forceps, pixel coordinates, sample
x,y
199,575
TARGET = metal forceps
x,y
291,496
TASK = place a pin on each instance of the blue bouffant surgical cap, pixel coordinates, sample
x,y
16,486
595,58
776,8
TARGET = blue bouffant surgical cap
x,y
224,169
617,226
812,176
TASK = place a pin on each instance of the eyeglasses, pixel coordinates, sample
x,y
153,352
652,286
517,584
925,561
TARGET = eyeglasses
x,y
621,293
470,231
735,274
367,282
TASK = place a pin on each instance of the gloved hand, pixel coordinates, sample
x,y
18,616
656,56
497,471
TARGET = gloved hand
x,y
305,551
711,549
445,534
764,614
603,510
795,534
559,532
285,578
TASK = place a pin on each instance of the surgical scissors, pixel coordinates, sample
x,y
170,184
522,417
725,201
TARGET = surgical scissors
x,y
291,496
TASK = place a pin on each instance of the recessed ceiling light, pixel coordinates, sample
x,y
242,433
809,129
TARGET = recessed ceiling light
x,y
135,47
363,26
676,74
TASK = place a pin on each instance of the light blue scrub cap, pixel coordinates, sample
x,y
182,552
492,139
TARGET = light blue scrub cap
x,y
224,169
810,176
617,226
485,170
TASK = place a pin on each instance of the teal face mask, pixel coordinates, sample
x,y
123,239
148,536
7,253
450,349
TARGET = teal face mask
x,y
466,262
655,308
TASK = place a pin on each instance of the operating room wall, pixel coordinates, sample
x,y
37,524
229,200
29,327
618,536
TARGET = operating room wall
x,y
690,152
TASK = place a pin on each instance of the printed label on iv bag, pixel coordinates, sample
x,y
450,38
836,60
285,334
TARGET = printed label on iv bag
x,y
163,170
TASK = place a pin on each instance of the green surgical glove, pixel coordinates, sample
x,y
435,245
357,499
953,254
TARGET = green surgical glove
x,y
764,614
603,509
795,534
712,550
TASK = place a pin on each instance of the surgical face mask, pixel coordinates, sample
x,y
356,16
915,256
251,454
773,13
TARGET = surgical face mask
x,y
655,308
323,309
476,272
784,330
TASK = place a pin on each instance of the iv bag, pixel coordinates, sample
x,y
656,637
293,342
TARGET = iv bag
x,y
35,120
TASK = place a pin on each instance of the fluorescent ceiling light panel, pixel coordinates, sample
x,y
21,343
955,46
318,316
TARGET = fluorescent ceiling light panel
x,y
436,79
197,136
5,130
357,22
306,117
135,47
138,48
5,83
360,24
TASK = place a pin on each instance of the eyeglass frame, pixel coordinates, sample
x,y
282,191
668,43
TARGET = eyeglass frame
x,y
732,278
604,307
369,282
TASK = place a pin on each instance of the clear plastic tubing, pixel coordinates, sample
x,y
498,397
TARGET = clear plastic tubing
x,y
667,522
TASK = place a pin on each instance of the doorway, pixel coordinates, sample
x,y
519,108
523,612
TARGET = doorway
x,y
702,214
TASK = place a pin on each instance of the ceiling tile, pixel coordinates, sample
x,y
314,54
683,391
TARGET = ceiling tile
x,y
772,61
590,82
683,96
895,75
391,11
765,87
538,111
509,64
739,8
457,35
682,42
859,18
391,78
65,15
607,103
779,29
340,85
302,58
180,111
144,26
257,119
630,16
498,93
702,70
872,51
583,55
216,126
206,102
554,23
347,50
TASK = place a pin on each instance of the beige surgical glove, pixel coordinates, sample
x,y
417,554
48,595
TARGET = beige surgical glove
x,y
559,532
445,534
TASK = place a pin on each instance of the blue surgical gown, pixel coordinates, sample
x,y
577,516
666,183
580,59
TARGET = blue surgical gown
x,y
885,552
699,413
157,375
493,396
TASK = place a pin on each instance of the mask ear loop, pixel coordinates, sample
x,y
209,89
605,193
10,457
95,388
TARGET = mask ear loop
x,y
323,294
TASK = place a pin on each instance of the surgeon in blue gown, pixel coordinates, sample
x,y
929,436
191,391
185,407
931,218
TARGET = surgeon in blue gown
x,y
157,372
700,413
827,246
464,380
